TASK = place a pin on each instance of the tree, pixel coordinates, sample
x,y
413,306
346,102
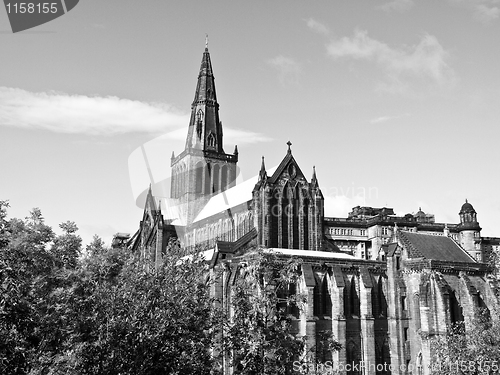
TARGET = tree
x,y
127,318
475,350
4,224
96,247
260,337
108,313
67,247
23,261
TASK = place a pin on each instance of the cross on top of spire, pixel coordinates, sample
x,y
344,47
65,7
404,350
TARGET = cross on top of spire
x,y
206,41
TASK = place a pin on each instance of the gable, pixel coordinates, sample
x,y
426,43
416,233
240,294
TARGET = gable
x,y
287,170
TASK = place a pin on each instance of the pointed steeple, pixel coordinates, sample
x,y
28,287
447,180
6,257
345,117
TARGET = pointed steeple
x,y
205,128
262,173
202,168
314,179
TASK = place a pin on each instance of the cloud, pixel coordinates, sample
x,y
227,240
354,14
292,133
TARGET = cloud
x,y
382,119
237,136
485,11
288,69
426,59
94,115
486,14
63,113
317,27
397,5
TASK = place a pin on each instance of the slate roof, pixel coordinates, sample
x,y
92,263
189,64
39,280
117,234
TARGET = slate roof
x,y
433,247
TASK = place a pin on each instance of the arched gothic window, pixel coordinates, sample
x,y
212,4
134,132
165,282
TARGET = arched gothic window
x,y
207,179
198,177
199,123
352,359
216,176
211,141
223,177
456,313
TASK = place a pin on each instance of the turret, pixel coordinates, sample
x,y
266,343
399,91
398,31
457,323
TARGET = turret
x,y
470,238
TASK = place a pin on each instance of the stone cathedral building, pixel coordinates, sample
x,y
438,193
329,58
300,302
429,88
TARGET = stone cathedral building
x,y
383,284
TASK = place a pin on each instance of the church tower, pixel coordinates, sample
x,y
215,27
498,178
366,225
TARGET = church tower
x,y
203,168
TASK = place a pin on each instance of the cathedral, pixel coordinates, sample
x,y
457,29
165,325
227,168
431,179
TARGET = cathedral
x,y
383,284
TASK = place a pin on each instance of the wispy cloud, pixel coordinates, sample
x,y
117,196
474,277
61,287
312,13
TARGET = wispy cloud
x,y
64,113
485,11
317,26
426,59
382,119
239,136
288,69
397,5
95,115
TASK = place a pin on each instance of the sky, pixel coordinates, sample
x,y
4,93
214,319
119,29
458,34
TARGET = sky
x,y
395,103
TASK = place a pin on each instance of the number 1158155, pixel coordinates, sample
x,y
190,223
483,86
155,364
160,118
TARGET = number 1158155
x,y
32,8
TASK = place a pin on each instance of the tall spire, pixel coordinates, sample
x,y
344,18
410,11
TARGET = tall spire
x,y
314,180
262,173
205,128
202,168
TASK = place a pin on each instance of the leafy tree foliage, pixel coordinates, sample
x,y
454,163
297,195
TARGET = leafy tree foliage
x,y
96,247
24,263
475,350
138,321
4,224
67,247
106,313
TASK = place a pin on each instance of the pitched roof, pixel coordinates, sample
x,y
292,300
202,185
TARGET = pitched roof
x,y
232,247
433,247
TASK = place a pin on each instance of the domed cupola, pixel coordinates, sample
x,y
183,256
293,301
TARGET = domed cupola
x,y
468,217
420,213
467,207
